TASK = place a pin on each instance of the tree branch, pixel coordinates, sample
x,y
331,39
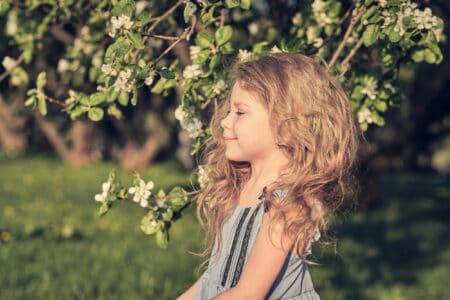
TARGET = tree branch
x,y
341,46
7,72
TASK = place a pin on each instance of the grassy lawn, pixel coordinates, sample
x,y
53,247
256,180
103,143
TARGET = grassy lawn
x,y
56,247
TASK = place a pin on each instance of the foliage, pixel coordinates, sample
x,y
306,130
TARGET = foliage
x,y
117,52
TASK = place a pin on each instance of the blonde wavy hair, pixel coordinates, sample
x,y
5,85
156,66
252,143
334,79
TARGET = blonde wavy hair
x,y
315,128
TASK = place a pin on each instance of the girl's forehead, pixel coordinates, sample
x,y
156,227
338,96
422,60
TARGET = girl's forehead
x,y
243,97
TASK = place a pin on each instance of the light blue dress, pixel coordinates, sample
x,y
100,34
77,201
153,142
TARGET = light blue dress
x,y
224,269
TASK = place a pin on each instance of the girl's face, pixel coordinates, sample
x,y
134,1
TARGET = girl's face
x,y
246,130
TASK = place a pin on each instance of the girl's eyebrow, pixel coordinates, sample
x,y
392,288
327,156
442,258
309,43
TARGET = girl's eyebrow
x,y
240,103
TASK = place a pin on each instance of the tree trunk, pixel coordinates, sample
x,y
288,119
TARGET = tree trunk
x,y
12,125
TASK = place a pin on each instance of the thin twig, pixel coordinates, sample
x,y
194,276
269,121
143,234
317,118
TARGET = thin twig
x,y
345,62
341,46
162,37
7,72
163,16
186,35
204,105
52,100
222,17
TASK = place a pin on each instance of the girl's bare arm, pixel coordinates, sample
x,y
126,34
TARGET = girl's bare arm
x,y
189,293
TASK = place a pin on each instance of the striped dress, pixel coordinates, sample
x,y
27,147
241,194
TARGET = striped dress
x,y
224,269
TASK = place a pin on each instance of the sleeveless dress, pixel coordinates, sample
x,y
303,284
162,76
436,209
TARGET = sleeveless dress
x,y
224,269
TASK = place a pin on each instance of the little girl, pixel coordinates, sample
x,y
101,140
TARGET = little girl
x,y
278,160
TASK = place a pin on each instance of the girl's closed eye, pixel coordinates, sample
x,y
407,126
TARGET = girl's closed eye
x,y
237,112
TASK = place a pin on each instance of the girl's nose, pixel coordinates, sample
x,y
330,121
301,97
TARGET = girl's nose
x,y
224,122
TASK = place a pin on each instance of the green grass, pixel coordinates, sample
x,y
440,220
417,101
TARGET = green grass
x,y
58,248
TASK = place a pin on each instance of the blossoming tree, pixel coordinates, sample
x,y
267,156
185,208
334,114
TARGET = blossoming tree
x,y
362,42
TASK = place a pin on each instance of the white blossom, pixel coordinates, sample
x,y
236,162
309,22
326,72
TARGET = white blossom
x,y
370,88
74,65
318,5
63,65
202,176
275,49
9,63
399,26
194,128
142,192
122,82
318,42
97,58
11,23
364,115
105,189
322,19
424,19
219,87
150,77
297,19
194,51
140,5
244,55
192,71
119,22
72,97
85,32
180,114
101,88
382,3
108,70
253,28
387,19
311,33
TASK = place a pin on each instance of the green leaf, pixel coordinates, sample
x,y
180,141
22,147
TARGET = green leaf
x,y
142,19
231,3
168,74
259,47
380,105
161,239
372,10
202,56
207,16
418,56
41,80
204,39
125,7
30,101
134,97
42,105
188,11
394,36
4,6
114,111
123,98
136,39
214,62
245,4
370,35
430,57
97,98
161,85
223,35
147,227
95,114
167,215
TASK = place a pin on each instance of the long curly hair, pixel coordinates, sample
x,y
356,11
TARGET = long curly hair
x,y
315,128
